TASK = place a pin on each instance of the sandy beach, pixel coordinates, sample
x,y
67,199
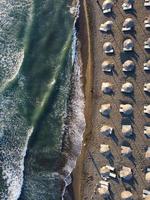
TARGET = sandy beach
x,y
85,175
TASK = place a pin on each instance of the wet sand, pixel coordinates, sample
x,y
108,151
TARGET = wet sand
x,y
85,174
87,66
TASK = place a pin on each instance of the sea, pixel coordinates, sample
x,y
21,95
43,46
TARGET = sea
x,y
41,98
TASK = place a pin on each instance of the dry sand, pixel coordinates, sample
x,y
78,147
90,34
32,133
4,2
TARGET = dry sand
x,y
85,174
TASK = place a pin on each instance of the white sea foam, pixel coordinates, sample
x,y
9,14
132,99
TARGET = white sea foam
x,y
13,145
15,131
11,48
76,125
14,176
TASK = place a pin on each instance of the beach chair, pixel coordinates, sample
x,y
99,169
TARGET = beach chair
x,y
147,66
147,131
147,22
147,109
147,44
147,3
147,87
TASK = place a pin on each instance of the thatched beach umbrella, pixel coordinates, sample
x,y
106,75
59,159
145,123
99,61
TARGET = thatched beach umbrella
x,y
147,22
107,66
128,66
107,6
127,88
127,130
108,48
104,171
107,26
147,87
147,44
147,153
147,131
126,195
147,109
128,45
126,173
126,109
147,3
127,5
106,88
105,149
105,109
147,66
106,130
128,24
126,151
104,192
147,177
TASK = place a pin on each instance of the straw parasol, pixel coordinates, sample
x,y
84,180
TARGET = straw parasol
x,y
127,5
128,24
147,22
128,45
106,130
106,88
147,177
128,66
147,109
107,26
147,87
126,151
107,6
126,195
127,130
147,65
147,44
107,66
127,88
104,171
103,191
147,131
126,109
147,3
104,149
108,48
105,109
126,173
147,153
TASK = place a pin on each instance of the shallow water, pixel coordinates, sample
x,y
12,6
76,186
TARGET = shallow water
x,y
36,75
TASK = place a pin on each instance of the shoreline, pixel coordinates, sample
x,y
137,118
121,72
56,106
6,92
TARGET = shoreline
x,y
87,78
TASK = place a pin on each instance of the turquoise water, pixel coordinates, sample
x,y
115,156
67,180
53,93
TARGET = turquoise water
x,y
36,87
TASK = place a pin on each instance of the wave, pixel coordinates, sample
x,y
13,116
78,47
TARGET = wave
x,y
15,181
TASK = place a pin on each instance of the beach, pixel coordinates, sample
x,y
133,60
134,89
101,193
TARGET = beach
x,y
87,67
85,176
